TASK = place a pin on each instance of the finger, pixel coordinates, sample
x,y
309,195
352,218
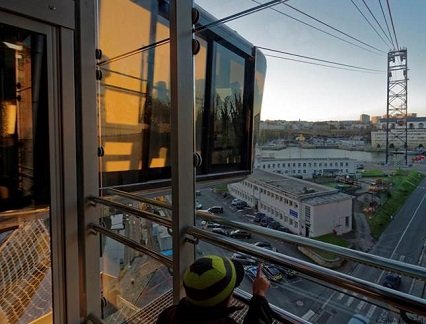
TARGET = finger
x,y
259,269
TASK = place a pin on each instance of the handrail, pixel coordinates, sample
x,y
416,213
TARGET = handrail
x,y
277,313
138,213
393,297
132,244
139,198
358,256
25,212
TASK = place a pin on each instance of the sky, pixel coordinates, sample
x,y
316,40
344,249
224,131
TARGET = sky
x,y
299,91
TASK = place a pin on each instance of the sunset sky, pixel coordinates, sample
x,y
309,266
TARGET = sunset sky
x,y
302,91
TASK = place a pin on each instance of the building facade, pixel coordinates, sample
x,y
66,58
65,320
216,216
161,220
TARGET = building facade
x,y
416,133
305,208
308,168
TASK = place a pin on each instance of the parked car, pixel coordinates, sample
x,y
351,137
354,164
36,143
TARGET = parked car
x,y
250,272
270,271
235,201
265,245
258,217
244,259
198,205
284,229
288,273
274,225
358,319
216,210
212,225
265,221
240,234
392,280
220,231
241,204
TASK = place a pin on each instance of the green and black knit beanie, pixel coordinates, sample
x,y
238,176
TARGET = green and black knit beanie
x,y
210,280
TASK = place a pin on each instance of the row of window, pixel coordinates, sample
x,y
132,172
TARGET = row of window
x,y
309,164
269,193
278,215
279,198
410,125
304,171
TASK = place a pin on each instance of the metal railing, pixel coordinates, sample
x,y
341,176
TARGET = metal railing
x,y
358,256
132,244
393,297
401,301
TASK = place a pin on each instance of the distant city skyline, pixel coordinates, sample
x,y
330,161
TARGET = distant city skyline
x,y
295,90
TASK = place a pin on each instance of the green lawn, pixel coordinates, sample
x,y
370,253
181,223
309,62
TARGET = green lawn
x,y
403,183
331,239
373,173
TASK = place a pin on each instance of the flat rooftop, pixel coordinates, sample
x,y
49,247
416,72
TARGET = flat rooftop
x,y
307,191
315,159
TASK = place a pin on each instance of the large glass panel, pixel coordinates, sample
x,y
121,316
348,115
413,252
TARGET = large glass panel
x,y
200,63
228,112
132,281
134,94
25,256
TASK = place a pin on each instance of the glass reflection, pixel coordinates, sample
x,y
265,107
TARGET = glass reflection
x,y
25,253
229,119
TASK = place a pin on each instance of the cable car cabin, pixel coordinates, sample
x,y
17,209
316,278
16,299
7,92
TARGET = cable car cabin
x,y
134,96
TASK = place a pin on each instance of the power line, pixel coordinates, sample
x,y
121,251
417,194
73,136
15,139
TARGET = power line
x,y
319,64
368,21
393,26
336,29
135,51
317,59
319,29
386,21
240,14
375,19
198,29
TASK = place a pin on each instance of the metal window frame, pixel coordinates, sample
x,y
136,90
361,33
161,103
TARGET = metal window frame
x,y
61,127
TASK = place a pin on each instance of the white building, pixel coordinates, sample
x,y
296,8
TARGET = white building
x,y
416,133
306,208
307,168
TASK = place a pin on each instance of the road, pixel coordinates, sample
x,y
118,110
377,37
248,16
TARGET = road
x,y
297,295
404,240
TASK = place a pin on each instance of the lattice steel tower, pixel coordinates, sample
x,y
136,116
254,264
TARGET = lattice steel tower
x,y
396,112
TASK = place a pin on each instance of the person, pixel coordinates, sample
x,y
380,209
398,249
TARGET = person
x,y
209,283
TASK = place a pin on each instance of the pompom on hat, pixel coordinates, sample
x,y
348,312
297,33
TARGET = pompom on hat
x,y
210,280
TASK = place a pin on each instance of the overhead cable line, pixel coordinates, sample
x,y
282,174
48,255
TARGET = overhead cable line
x,y
375,19
317,59
319,29
336,29
135,51
386,21
240,14
393,26
371,25
319,64
197,29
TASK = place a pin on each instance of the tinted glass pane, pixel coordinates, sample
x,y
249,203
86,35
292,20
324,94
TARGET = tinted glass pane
x,y
25,264
134,94
229,120
200,83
